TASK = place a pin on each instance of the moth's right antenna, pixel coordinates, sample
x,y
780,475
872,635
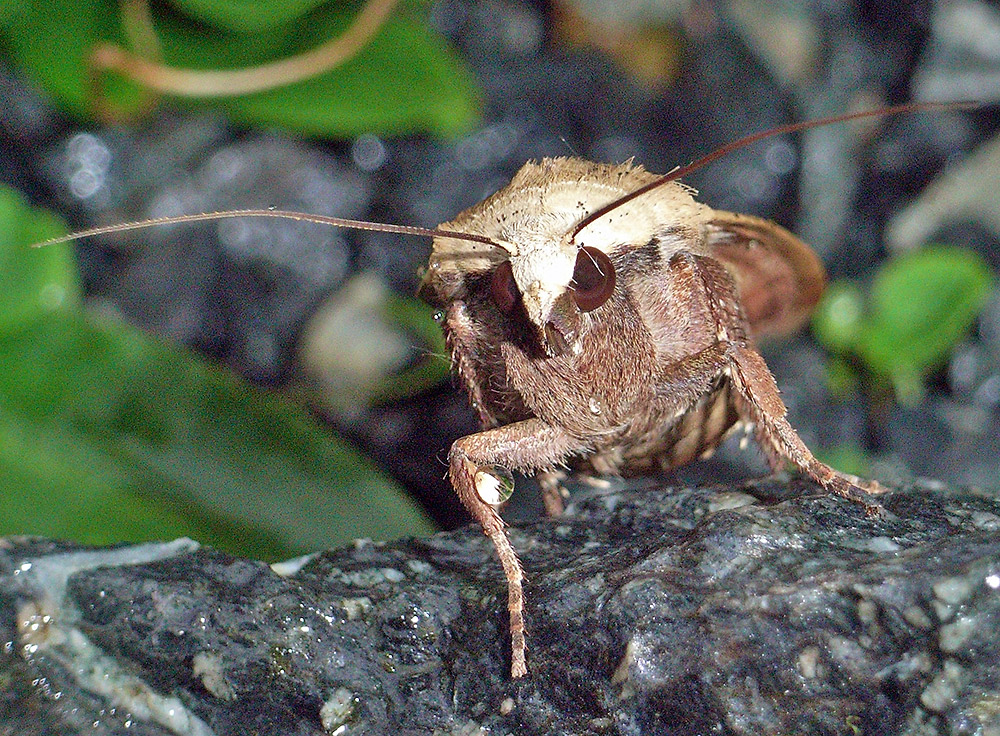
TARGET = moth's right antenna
x,y
754,137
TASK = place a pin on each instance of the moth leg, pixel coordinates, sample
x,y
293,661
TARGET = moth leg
x,y
473,469
757,393
755,385
553,493
460,336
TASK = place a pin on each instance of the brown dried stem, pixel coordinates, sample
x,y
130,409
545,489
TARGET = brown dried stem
x,y
143,67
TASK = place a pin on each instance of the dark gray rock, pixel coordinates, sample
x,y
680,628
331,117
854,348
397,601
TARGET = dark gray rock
x,y
763,609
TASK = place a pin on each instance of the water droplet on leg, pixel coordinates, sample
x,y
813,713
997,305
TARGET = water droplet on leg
x,y
494,484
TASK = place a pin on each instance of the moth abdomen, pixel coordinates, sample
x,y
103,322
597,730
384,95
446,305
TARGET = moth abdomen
x,y
698,433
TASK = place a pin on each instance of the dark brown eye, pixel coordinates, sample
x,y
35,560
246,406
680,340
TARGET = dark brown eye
x,y
503,289
593,279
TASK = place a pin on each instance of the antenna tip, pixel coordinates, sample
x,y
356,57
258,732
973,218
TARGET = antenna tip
x,y
52,241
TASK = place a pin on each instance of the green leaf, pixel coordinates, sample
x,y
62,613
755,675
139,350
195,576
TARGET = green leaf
x,y
109,435
35,285
414,317
61,485
51,42
922,304
847,458
9,11
839,318
248,16
407,79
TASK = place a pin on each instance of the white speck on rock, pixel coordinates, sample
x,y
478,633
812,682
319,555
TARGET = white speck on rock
x,y
337,710
953,590
953,636
287,568
808,662
356,607
916,616
730,500
943,689
208,668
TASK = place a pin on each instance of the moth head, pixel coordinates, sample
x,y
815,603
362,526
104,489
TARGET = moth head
x,y
542,268
552,287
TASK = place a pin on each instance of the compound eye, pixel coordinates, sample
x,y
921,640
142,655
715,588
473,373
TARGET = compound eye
x,y
593,279
503,288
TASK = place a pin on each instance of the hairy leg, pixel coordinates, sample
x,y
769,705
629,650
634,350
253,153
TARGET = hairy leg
x,y
523,446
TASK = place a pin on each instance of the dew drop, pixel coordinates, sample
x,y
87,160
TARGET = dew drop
x,y
494,484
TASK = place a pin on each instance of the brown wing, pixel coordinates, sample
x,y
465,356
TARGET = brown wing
x,y
779,278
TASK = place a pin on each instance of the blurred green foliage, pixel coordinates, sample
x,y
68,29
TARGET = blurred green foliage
x,y
848,458
406,79
109,435
917,308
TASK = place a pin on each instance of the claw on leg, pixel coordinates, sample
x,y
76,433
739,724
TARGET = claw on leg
x,y
842,485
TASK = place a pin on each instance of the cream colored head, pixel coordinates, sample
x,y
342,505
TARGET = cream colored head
x,y
532,222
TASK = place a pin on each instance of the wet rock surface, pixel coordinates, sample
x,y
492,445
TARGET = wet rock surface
x,y
732,610
243,293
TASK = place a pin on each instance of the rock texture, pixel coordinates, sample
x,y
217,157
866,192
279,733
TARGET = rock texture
x,y
763,609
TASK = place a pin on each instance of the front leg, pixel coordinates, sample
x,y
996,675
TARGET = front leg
x,y
482,486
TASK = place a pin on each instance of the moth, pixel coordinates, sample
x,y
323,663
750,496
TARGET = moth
x,y
603,320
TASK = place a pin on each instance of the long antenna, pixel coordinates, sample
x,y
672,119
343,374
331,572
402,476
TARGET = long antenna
x,y
282,214
754,137
436,233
